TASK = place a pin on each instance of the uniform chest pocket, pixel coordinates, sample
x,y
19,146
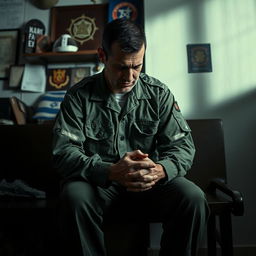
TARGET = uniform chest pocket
x,y
99,138
143,135
146,127
98,131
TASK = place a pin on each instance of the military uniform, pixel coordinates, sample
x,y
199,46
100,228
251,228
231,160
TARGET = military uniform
x,y
92,131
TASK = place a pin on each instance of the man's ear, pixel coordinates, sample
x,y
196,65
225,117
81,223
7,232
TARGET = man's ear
x,y
101,55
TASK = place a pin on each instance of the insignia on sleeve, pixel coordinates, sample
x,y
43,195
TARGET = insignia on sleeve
x,y
176,106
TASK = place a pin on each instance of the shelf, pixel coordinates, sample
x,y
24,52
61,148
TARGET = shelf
x,y
61,57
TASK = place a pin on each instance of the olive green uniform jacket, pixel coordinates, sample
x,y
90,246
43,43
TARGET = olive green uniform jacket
x,y
91,131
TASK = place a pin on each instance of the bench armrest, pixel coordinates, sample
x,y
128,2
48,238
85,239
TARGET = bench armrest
x,y
236,196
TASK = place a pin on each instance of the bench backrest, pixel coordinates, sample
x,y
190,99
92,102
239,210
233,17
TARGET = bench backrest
x,y
25,153
209,160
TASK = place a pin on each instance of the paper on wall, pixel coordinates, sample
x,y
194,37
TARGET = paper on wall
x,y
34,78
11,13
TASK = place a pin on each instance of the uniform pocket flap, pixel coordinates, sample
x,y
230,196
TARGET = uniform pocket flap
x,y
98,130
146,127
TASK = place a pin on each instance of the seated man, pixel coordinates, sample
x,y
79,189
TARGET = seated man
x,y
120,135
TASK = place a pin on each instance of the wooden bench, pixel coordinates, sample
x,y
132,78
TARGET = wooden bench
x,y
26,155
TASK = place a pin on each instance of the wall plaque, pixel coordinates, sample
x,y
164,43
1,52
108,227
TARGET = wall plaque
x,y
129,9
32,29
83,22
8,51
58,79
199,58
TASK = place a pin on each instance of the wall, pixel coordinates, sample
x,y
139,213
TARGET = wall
x,y
229,92
32,12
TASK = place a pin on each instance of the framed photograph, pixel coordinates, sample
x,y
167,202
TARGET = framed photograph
x,y
15,75
79,73
199,58
8,50
83,22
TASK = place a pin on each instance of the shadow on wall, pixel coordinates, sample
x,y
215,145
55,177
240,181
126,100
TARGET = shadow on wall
x,y
239,121
157,8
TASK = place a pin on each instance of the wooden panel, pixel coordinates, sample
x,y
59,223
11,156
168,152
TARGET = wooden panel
x,y
83,22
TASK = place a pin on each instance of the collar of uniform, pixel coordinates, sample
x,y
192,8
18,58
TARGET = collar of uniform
x,y
140,90
100,91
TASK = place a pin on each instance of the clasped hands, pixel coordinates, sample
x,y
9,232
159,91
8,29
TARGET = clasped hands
x,y
136,171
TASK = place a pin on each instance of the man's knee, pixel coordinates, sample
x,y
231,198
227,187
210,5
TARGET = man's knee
x,y
190,194
195,195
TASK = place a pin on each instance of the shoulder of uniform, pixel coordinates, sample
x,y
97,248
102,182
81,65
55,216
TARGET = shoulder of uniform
x,y
152,81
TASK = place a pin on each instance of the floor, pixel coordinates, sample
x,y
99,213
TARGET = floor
x,y
238,251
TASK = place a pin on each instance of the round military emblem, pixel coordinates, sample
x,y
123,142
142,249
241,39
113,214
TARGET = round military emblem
x,y
82,29
199,56
125,10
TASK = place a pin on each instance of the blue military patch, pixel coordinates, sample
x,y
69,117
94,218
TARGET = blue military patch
x,y
125,10
129,9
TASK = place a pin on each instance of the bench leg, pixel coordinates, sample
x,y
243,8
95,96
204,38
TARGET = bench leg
x,y
211,235
226,234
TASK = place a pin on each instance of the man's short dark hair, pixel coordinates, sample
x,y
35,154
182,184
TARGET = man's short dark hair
x,y
126,33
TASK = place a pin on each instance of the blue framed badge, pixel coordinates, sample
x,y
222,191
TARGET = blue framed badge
x,y
199,58
129,9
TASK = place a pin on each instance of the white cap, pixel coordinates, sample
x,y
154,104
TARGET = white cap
x,y
65,43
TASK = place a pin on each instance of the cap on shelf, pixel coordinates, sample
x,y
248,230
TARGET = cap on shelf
x,y
65,43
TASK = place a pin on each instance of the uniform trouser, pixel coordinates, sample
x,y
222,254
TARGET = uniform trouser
x,y
180,204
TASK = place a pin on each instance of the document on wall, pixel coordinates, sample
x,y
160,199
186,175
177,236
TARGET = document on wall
x,y
11,13
34,78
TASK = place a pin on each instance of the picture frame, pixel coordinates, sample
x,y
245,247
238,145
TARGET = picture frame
x,y
199,58
80,72
15,76
9,39
83,22
63,76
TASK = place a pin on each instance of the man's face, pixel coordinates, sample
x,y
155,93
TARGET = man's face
x,y
122,70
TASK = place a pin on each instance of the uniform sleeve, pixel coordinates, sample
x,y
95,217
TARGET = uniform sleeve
x,y
68,138
175,144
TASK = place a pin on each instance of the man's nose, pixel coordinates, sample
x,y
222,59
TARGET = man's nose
x,y
128,75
